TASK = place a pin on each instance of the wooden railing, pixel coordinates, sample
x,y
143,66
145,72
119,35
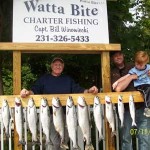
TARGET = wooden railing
x,y
63,97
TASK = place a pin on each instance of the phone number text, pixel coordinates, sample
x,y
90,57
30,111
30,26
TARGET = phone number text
x,y
61,38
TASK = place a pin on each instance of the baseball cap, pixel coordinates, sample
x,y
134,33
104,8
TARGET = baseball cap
x,y
57,58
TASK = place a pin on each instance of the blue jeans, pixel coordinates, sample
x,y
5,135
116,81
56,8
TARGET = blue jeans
x,y
143,131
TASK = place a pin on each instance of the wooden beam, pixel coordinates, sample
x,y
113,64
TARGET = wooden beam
x,y
105,69
16,72
105,65
16,88
63,97
59,47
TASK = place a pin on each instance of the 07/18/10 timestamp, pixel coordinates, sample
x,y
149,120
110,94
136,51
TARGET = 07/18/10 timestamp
x,y
62,38
134,132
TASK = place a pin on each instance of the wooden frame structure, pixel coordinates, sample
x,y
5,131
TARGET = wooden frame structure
x,y
101,49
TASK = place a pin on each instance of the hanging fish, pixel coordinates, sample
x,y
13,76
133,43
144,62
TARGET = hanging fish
x,y
84,122
32,120
121,110
132,110
19,119
45,119
98,116
6,117
110,114
71,120
59,122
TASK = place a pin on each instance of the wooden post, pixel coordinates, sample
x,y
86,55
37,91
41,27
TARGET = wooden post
x,y
106,85
16,88
16,72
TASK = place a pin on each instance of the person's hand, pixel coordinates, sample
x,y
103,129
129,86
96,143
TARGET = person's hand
x,y
93,89
24,93
134,76
115,85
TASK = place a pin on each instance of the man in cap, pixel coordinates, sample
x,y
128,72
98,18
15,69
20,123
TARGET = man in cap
x,y
143,123
56,83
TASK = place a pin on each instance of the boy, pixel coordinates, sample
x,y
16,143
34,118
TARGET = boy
x,y
141,76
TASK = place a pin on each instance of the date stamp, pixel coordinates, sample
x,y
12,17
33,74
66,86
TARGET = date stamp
x,y
140,131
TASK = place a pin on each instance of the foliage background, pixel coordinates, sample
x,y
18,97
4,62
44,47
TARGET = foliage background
x,y
130,30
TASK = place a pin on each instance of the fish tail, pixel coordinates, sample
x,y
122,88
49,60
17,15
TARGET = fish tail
x,y
65,146
33,143
22,143
7,135
114,133
101,138
122,124
89,147
134,124
49,147
76,148
49,142
36,143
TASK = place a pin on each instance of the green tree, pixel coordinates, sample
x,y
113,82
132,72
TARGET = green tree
x,y
131,30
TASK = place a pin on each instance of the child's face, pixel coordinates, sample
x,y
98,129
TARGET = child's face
x,y
140,66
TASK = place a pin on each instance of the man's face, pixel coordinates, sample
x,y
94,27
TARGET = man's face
x,y
57,67
118,58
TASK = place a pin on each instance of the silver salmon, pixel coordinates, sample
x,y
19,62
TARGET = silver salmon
x,y
6,117
59,121
98,116
32,120
110,114
19,119
84,122
121,110
132,110
71,120
45,120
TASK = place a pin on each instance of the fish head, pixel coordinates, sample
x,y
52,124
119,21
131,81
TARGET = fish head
x,y
30,102
131,98
81,101
4,103
56,102
44,102
70,102
107,100
120,99
17,101
96,100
